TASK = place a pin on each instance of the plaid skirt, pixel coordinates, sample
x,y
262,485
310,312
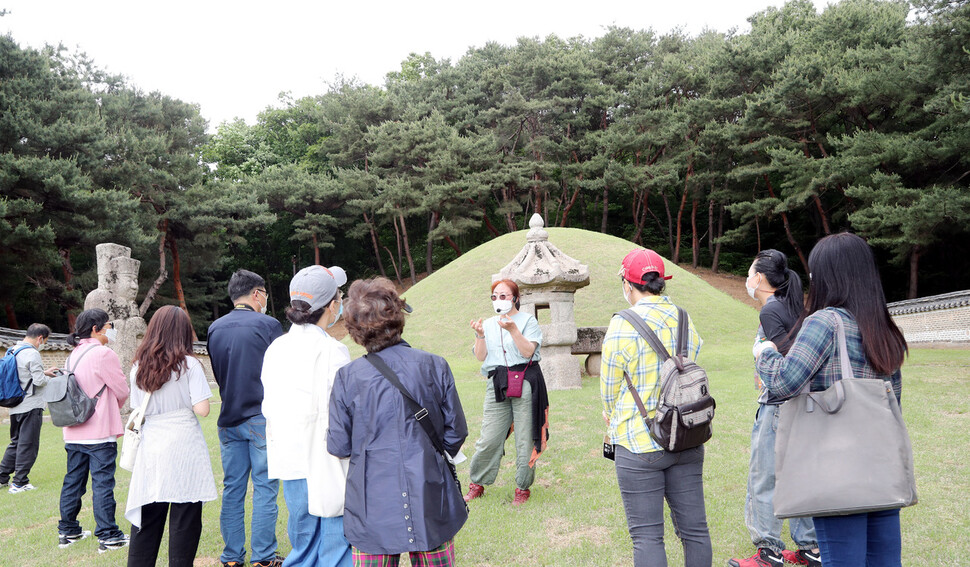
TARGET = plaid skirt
x,y
443,556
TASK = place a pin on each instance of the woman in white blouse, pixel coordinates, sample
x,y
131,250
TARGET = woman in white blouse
x,y
172,473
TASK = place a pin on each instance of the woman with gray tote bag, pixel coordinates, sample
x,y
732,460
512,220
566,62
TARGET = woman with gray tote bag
x,y
844,291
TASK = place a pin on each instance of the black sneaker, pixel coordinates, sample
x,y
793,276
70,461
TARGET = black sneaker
x,y
764,558
276,561
65,540
112,543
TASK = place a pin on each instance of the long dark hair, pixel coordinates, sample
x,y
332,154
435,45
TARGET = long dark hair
x,y
843,274
788,286
168,340
88,319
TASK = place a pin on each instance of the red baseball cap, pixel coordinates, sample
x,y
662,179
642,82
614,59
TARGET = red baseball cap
x,y
640,262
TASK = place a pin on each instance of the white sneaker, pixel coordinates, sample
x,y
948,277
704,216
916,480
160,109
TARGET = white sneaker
x,y
14,489
68,540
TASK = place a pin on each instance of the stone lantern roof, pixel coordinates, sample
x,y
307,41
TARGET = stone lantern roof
x,y
542,266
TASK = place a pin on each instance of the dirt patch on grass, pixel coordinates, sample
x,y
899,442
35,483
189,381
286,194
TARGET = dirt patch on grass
x,y
562,534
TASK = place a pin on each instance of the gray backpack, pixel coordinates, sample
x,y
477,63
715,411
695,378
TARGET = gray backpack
x,y
67,402
685,408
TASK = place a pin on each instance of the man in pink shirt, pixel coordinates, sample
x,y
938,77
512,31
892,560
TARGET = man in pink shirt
x,y
93,445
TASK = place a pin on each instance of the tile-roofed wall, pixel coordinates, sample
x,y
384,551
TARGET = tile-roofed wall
x,y
938,318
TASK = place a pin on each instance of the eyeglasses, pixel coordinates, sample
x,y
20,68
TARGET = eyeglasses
x,y
109,325
262,291
502,296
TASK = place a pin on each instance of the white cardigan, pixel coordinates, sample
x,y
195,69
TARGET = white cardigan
x,y
298,373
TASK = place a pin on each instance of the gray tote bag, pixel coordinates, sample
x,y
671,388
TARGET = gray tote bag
x,y
844,450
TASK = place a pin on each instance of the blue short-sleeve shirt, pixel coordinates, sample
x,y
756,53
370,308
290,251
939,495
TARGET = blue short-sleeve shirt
x,y
496,337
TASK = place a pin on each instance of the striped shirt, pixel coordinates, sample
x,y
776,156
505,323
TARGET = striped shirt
x,y
813,357
624,351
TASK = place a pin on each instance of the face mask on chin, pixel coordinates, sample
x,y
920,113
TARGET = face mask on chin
x,y
502,306
337,318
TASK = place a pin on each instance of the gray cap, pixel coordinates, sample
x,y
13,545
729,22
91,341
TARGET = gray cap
x,y
317,285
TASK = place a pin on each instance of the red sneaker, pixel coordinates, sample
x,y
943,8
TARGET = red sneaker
x,y
764,558
474,491
521,496
802,557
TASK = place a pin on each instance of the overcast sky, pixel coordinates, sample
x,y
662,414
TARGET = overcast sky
x,y
235,57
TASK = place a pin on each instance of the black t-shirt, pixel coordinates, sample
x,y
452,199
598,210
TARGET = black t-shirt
x,y
776,321
237,343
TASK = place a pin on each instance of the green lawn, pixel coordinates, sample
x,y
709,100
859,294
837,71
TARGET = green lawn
x,y
575,516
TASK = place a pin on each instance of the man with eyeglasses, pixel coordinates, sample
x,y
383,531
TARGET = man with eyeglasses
x,y
237,343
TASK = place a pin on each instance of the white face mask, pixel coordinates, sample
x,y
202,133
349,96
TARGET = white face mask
x,y
502,306
337,318
751,290
626,294
111,335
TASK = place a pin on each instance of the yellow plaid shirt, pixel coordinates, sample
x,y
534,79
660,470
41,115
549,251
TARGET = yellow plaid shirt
x,y
624,351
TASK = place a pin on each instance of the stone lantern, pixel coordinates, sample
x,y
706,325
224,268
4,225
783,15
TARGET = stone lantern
x,y
548,280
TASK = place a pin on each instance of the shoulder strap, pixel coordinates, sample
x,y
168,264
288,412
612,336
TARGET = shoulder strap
x,y
79,357
14,353
419,412
648,335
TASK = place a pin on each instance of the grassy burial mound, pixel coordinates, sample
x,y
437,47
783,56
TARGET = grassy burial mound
x,y
447,300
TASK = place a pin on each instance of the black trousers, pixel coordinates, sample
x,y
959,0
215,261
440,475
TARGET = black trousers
x,y
24,444
184,530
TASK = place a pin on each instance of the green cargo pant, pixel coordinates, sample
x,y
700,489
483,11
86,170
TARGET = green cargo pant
x,y
497,417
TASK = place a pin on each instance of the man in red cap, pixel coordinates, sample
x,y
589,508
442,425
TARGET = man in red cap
x,y
647,474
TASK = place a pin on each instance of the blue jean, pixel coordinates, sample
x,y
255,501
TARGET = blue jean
x,y
759,510
645,480
860,540
99,460
243,449
315,540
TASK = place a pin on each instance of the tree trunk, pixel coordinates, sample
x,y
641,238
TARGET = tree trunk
x,y
488,223
162,272
177,281
821,213
397,272
11,316
710,227
316,249
407,250
680,213
670,221
788,232
715,265
606,209
377,250
68,283
432,222
914,255
453,245
695,242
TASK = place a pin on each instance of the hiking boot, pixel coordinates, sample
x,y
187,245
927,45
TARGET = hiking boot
x,y
105,545
65,540
802,557
764,558
14,489
474,491
274,562
521,496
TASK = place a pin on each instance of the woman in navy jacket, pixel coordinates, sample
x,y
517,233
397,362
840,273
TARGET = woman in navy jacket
x,y
401,496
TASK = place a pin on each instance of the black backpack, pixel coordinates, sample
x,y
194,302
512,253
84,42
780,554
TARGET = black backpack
x,y
11,394
685,408
67,402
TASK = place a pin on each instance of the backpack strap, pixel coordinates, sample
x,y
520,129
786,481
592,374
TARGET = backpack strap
x,y
78,361
417,410
30,381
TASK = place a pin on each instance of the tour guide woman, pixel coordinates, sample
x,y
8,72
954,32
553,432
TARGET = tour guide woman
x,y
401,494
844,282
509,341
